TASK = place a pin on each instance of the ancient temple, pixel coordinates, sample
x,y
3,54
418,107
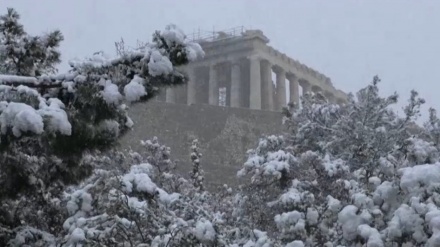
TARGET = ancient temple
x,y
241,70
233,97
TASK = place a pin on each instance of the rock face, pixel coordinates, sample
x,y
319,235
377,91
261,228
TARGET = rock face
x,y
225,134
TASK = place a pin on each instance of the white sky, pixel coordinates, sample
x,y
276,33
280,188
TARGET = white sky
x,y
349,41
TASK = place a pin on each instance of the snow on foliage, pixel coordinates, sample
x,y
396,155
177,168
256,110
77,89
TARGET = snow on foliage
x,y
39,109
138,180
110,93
196,173
359,175
134,90
21,118
50,120
99,74
204,231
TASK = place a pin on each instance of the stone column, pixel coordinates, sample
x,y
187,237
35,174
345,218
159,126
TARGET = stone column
x,y
306,87
281,88
191,88
255,83
293,89
235,84
267,88
171,95
213,85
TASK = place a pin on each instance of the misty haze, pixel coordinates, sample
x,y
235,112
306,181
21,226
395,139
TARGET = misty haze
x,y
219,123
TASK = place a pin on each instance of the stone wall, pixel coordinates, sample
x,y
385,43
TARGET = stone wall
x,y
225,134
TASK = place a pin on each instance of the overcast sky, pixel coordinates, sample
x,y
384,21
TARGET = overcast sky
x,y
349,41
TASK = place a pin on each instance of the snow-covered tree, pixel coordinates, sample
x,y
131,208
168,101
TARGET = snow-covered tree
x,y
346,175
25,55
138,201
48,120
197,173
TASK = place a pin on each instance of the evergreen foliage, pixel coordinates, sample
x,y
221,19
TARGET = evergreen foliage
x,y
49,120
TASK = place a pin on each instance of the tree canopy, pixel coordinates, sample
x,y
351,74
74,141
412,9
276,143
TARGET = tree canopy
x,y
48,120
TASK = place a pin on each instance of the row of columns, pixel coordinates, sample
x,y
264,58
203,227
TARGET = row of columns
x,y
261,89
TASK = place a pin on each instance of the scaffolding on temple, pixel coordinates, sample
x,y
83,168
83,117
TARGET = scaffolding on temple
x,y
209,36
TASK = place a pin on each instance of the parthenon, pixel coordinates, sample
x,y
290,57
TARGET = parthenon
x,y
241,70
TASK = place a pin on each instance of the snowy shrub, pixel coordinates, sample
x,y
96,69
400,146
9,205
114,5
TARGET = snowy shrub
x,y
138,204
346,175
